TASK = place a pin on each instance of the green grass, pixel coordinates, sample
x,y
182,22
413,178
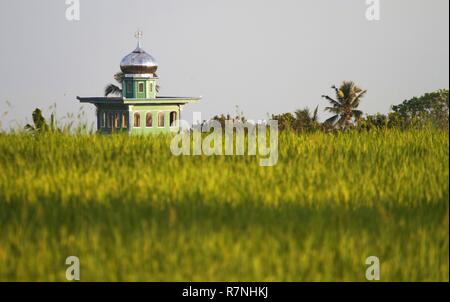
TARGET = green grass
x,y
133,212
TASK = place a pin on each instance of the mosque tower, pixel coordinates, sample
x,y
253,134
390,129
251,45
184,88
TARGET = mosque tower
x,y
140,110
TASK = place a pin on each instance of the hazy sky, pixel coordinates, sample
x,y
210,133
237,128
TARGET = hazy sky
x,y
264,56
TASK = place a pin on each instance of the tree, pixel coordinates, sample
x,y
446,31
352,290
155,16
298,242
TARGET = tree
x,y
376,121
285,121
305,120
345,104
115,89
431,107
301,120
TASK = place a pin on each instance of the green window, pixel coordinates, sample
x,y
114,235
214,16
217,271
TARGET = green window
x,y
141,90
129,88
103,120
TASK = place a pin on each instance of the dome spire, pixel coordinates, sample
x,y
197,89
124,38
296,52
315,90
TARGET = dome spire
x,y
138,35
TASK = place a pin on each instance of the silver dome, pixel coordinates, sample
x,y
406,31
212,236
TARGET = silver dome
x,y
138,62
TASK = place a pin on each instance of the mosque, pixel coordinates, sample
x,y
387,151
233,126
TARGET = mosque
x,y
140,110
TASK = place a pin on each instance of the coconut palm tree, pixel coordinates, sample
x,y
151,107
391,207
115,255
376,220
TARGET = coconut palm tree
x,y
344,106
113,89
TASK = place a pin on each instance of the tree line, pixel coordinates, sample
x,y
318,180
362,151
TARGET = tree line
x,y
428,109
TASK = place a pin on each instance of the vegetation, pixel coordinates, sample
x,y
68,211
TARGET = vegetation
x,y
113,89
133,212
344,106
431,107
72,124
302,120
40,124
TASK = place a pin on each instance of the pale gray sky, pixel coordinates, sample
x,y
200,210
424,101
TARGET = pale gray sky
x,y
264,56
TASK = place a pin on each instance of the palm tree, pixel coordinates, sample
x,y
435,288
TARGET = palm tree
x,y
348,97
112,89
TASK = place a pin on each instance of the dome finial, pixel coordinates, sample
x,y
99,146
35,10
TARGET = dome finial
x,y
138,35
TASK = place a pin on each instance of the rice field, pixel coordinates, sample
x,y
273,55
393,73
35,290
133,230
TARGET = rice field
x,y
131,211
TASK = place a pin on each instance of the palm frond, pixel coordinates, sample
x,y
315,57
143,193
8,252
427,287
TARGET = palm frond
x,y
332,120
119,77
112,89
360,94
335,88
30,128
315,116
333,110
347,87
332,101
